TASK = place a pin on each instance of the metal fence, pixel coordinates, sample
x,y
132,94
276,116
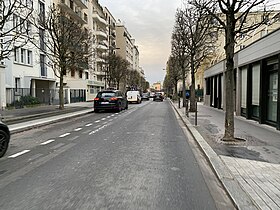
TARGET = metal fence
x,y
77,95
19,97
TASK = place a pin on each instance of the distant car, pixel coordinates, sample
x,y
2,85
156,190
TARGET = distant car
x,y
113,100
152,94
145,96
158,97
133,96
4,138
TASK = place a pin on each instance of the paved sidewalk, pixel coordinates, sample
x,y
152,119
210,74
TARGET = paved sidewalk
x,y
26,118
249,170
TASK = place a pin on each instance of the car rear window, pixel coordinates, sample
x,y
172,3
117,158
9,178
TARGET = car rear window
x,y
106,95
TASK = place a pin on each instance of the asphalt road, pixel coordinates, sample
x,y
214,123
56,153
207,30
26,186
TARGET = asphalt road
x,y
135,159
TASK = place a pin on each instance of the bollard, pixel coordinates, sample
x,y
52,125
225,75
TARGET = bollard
x,y
195,122
179,103
187,107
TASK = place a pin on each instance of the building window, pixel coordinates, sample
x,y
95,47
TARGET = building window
x,y
16,54
243,90
42,11
80,74
86,75
23,55
17,83
42,39
43,65
255,90
85,17
72,72
29,57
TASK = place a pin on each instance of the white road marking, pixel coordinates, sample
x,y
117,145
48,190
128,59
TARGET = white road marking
x,y
63,135
111,120
97,121
47,142
103,119
19,153
78,129
88,125
112,115
108,116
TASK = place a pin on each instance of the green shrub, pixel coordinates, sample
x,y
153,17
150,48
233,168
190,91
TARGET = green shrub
x,y
29,100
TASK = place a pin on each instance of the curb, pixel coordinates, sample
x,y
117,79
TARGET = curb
x,y
239,197
16,128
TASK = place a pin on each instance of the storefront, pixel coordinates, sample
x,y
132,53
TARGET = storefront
x,y
256,82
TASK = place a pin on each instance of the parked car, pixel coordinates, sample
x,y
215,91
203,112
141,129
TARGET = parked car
x,y
113,100
133,96
145,96
158,97
4,138
152,94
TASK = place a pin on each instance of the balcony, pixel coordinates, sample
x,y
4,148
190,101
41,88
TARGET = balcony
x,y
74,11
101,34
100,19
100,60
96,83
82,3
101,46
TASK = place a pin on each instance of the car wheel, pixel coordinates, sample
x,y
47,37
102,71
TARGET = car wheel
x,y
4,142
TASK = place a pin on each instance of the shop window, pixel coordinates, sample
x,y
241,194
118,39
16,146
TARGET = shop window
x,y
243,90
255,90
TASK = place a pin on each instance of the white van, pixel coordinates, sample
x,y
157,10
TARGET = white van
x,y
133,96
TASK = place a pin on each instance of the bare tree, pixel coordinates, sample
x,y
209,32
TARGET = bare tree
x,y
65,43
232,16
117,70
133,79
14,25
179,48
200,39
174,74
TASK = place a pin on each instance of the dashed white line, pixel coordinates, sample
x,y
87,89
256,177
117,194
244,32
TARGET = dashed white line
x,y
108,116
103,119
88,125
78,129
63,135
19,153
47,142
97,121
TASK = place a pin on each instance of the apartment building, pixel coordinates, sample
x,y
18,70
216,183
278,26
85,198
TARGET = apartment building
x,y
124,44
26,72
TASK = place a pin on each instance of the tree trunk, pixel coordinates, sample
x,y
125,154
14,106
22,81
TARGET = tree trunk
x,y
184,86
61,95
229,80
192,94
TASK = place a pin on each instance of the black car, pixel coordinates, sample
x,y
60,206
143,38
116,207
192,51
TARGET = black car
x,y
158,97
145,96
113,100
4,138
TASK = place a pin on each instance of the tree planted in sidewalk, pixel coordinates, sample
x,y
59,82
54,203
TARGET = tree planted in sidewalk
x,y
179,48
65,43
173,75
15,26
232,16
200,42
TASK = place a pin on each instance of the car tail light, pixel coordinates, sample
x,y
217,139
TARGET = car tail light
x,y
113,99
96,99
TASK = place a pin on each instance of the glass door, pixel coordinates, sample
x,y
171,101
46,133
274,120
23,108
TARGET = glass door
x,y
272,97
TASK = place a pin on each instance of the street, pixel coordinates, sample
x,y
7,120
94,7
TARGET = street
x,y
140,158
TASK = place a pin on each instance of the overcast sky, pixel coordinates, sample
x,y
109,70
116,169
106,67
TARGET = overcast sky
x,y
150,22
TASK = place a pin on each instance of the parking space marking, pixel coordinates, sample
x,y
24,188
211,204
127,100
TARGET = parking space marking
x,y
63,135
88,125
47,142
78,129
19,154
